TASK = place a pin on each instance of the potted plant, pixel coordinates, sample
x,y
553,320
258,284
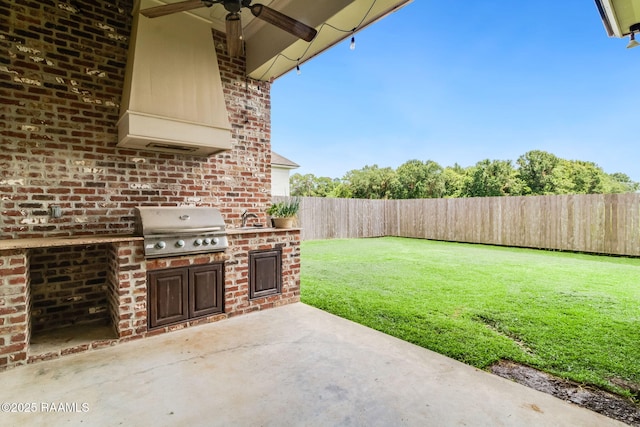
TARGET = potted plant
x,y
283,213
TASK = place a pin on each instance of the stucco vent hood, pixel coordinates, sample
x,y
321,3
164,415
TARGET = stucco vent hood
x,y
173,99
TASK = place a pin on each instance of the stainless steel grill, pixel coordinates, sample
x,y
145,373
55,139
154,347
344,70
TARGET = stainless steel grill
x,y
171,231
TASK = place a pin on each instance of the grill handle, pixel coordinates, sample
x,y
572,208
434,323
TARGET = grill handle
x,y
184,230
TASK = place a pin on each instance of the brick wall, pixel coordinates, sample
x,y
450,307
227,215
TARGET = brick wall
x,y
62,69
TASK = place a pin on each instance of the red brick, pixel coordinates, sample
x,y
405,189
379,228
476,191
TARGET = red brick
x,y
22,280
42,357
181,262
7,310
19,300
12,348
19,338
18,319
13,271
17,357
102,343
76,349
155,332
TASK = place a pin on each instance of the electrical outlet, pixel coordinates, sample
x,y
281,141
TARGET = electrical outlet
x,y
55,211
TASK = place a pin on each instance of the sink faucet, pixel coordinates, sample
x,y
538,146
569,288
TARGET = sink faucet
x,y
245,216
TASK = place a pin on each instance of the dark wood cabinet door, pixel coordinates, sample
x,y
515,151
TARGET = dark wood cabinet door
x,y
265,273
168,291
179,294
206,289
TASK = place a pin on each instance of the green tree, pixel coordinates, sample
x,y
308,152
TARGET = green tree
x,y
302,185
455,179
370,182
493,178
536,172
579,177
621,183
588,177
311,186
419,180
342,191
325,185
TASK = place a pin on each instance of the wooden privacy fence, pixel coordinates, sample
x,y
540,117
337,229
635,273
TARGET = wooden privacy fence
x,y
598,223
328,218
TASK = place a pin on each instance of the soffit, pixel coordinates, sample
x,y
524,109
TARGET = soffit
x,y
619,15
271,52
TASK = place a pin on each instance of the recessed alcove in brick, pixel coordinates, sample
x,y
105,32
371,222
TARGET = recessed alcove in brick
x,y
71,286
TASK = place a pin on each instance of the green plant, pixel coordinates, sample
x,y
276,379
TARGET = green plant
x,y
286,209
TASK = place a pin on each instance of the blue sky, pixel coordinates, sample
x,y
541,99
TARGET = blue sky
x,y
462,81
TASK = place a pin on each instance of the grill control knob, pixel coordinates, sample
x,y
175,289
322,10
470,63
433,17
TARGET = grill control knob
x,y
207,241
180,243
161,245
198,242
215,240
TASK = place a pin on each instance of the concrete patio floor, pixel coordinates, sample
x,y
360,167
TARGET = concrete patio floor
x,y
289,366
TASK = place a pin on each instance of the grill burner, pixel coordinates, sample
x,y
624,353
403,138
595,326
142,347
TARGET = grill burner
x,y
171,231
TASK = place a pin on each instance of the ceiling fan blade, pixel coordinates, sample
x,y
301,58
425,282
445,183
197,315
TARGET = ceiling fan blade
x,y
168,9
283,22
234,35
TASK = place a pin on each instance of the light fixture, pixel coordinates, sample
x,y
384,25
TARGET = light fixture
x,y
352,46
632,38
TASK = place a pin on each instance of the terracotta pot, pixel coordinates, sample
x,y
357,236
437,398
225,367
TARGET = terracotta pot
x,y
283,222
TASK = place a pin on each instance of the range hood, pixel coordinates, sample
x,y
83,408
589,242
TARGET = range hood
x,y
173,99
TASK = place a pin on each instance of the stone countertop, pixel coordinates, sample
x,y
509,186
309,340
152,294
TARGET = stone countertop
x,y
249,230
50,242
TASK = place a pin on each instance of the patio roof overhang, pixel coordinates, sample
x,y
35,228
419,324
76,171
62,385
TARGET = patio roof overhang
x,y
619,16
271,52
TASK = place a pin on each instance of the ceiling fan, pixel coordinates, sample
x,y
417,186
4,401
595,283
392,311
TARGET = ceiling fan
x,y
232,20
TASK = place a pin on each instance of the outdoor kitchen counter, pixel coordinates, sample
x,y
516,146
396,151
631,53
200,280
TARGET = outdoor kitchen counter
x,y
50,242
248,230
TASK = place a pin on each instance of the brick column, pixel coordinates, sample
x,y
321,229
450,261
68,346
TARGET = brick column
x,y
237,270
131,290
14,304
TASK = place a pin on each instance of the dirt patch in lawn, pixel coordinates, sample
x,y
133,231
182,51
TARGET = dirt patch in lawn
x,y
597,400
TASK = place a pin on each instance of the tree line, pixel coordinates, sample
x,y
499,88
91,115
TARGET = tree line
x,y
534,173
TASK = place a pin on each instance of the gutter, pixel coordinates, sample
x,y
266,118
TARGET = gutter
x,y
605,11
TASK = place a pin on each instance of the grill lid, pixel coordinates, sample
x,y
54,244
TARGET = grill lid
x,y
173,231
178,220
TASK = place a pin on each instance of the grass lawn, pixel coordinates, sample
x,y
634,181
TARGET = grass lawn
x,y
573,315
